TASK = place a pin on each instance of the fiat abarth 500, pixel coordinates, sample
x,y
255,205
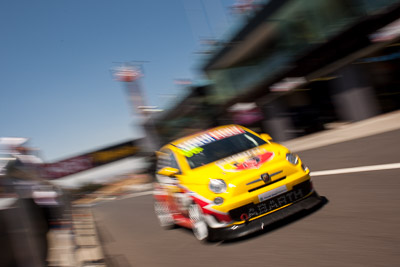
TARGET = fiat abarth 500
x,y
228,182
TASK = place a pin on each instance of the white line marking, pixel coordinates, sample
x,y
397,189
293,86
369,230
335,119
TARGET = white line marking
x,y
317,173
357,169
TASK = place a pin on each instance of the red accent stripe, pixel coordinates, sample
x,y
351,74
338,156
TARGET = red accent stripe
x,y
220,217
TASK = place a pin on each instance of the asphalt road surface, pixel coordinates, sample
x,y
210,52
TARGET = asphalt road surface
x,y
359,226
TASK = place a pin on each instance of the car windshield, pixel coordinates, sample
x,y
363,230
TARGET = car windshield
x,y
224,148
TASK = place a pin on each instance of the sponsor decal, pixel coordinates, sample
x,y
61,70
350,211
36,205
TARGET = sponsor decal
x,y
272,200
272,193
106,156
226,132
195,142
67,167
274,203
251,159
191,152
193,145
89,160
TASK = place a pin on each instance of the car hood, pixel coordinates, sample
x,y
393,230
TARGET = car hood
x,y
242,167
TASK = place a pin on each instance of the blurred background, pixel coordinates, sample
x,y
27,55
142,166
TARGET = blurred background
x,y
91,89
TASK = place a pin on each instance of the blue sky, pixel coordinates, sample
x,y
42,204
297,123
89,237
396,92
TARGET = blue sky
x,y
55,59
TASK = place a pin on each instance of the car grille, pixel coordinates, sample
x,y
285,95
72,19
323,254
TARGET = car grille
x,y
251,210
266,184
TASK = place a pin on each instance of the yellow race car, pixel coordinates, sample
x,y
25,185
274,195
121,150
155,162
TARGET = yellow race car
x,y
227,182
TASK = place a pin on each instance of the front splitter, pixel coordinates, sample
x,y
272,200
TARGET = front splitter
x,y
241,230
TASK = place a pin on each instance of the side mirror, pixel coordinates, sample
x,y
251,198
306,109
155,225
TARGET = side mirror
x,y
266,137
168,171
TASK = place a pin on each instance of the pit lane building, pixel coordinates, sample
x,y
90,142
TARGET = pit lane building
x,y
293,67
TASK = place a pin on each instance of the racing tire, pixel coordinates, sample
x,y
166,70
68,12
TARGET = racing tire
x,y
163,214
200,227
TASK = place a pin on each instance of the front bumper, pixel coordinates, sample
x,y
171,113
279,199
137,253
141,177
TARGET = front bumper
x,y
240,230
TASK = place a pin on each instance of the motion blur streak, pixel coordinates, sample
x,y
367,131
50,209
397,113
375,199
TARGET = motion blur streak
x,y
321,75
358,169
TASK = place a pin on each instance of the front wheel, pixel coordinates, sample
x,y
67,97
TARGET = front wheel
x,y
199,225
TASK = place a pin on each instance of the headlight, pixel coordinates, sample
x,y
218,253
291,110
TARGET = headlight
x,y
217,186
292,158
